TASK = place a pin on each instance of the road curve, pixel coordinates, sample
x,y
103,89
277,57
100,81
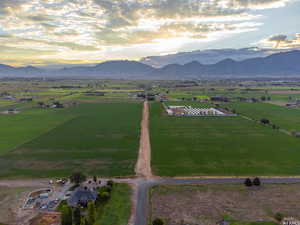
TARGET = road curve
x,y
142,208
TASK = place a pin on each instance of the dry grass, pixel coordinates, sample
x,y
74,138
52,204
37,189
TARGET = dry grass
x,y
207,204
11,200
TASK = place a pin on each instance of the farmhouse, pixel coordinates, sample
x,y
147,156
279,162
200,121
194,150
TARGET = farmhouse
x,y
81,196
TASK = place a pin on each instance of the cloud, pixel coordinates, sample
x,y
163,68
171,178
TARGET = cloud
x,y
89,28
282,41
279,37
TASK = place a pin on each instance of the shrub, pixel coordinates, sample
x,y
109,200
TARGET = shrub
x,y
248,182
66,215
77,178
256,182
104,196
91,216
158,221
279,217
110,183
105,189
264,121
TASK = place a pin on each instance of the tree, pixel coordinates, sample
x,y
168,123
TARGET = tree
x,y
104,196
248,182
264,121
95,179
77,178
76,216
110,183
279,217
66,215
83,221
41,104
263,98
91,216
158,221
256,182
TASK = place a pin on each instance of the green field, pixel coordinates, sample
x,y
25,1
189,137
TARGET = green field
x,y
219,146
284,117
117,211
95,138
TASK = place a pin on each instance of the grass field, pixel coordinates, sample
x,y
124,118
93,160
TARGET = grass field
x,y
100,139
208,204
18,129
219,146
117,211
286,118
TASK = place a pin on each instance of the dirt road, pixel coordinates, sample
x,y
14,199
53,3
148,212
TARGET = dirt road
x,y
143,166
25,183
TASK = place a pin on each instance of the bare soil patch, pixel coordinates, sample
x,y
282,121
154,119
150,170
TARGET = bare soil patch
x,y
208,204
46,219
11,202
284,92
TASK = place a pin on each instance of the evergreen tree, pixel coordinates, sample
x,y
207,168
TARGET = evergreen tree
x,y
95,179
77,178
158,221
76,216
256,181
66,215
91,213
248,182
83,221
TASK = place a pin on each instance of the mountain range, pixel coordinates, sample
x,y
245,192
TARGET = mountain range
x,y
210,56
278,64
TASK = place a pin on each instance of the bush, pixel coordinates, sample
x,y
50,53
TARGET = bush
x,y
66,215
158,221
256,182
248,182
105,189
279,217
104,196
264,121
77,178
110,183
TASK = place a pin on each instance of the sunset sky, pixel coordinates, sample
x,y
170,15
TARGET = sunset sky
x,y
44,32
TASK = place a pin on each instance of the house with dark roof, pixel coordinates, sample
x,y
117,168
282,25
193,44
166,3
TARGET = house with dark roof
x,y
81,196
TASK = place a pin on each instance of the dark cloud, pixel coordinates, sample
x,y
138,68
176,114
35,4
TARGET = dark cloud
x,y
280,37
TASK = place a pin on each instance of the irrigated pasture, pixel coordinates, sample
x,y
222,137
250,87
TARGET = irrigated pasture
x,y
97,138
18,129
219,146
284,117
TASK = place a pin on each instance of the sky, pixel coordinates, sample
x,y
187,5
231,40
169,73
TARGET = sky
x,y
46,32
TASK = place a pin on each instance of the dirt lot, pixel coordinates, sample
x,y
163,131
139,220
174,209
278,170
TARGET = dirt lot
x,y
208,204
11,200
46,219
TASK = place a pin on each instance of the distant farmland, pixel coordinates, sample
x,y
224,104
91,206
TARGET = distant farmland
x,y
219,146
284,117
100,139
